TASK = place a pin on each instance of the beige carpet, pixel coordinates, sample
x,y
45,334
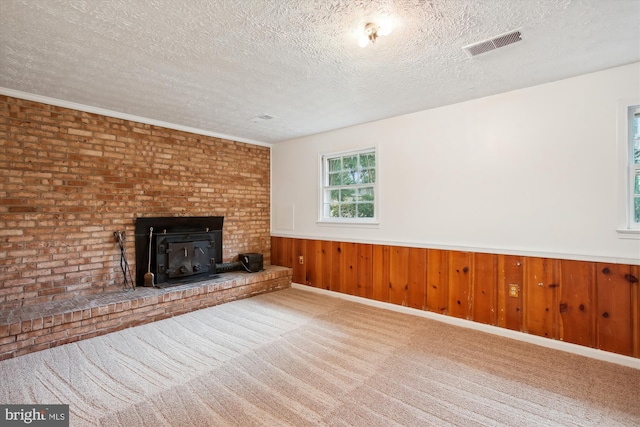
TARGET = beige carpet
x,y
298,358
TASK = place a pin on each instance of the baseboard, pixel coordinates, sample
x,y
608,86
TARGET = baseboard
x,y
593,353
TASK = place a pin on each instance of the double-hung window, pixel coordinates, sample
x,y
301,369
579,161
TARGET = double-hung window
x,y
629,155
349,187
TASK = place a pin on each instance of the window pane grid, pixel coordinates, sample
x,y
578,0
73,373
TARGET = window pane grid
x,y
351,170
350,210
349,186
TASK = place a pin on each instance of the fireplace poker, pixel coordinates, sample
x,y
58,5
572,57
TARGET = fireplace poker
x,y
148,277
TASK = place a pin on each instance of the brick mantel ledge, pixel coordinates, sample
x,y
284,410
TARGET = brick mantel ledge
x,y
38,327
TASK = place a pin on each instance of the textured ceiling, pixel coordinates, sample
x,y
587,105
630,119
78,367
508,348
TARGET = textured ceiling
x,y
215,65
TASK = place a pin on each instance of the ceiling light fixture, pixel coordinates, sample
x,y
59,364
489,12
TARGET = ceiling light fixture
x,y
372,32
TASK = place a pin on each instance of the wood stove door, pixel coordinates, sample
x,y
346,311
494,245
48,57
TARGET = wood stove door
x,y
180,259
200,261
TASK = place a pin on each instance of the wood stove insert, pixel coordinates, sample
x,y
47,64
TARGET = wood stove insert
x,y
183,249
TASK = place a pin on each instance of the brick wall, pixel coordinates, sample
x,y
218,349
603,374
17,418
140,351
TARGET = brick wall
x,y
69,179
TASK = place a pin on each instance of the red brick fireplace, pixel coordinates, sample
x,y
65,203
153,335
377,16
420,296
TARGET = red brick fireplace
x,y
70,179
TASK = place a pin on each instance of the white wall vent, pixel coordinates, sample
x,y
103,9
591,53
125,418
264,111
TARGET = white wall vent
x,y
494,43
262,118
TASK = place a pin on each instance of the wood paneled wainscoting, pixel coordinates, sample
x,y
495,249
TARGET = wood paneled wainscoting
x,y
587,303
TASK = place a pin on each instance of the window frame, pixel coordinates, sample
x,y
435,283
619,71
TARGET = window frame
x,y
634,168
629,228
324,187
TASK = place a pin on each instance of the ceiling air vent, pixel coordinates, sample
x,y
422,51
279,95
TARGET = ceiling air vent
x,y
494,43
262,118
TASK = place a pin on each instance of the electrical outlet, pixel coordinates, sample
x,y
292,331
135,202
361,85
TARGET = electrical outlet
x,y
300,259
514,290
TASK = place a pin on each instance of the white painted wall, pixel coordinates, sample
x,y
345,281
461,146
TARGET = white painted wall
x,y
532,171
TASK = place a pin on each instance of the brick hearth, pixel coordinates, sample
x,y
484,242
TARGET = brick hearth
x,y
41,326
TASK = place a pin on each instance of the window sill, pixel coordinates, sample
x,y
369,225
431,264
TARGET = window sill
x,y
359,224
629,233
